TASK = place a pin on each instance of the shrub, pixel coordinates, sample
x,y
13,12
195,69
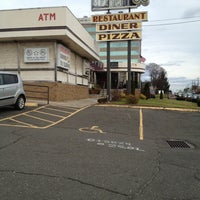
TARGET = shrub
x,y
161,95
116,95
122,95
131,99
142,96
102,100
95,89
146,90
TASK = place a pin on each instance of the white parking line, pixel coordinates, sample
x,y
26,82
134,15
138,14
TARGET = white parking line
x,y
115,144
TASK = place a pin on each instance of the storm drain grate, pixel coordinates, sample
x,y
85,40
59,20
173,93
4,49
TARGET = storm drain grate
x,y
177,144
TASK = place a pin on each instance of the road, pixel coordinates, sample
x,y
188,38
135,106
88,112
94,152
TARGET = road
x,y
99,152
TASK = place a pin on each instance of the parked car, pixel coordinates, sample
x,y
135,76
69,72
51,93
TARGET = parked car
x,y
11,90
189,96
198,102
180,96
195,97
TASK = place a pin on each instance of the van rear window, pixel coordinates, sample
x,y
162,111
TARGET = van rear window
x,y
8,79
1,79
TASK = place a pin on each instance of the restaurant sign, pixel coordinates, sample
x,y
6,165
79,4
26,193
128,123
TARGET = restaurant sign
x,y
136,16
118,26
102,37
98,5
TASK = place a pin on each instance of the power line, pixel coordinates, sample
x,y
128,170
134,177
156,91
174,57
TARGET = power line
x,y
174,23
174,19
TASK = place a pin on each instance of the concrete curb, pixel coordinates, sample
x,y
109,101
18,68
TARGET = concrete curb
x,y
93,101
150,107
72,103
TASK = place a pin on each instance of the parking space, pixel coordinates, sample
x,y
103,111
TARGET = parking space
x,y
41,117
114,152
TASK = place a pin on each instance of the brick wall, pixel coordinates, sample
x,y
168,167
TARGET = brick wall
x,y
57,91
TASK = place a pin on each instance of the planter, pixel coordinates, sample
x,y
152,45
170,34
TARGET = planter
x,y
94,91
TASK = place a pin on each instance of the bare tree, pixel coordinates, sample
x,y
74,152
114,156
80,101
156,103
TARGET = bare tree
x,y
158,77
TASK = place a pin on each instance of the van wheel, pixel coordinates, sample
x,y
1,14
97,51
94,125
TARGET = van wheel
x,y
20,103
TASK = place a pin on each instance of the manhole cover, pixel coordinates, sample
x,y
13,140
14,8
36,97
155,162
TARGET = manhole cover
x,y
178,144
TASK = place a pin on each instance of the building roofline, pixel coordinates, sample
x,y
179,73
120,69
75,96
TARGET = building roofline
x,y
59,28
34,8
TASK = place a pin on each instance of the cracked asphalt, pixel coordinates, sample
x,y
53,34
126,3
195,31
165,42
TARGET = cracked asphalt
x,y
98,154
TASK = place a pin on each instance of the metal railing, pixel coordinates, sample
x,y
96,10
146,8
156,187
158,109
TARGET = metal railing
x,y
37,92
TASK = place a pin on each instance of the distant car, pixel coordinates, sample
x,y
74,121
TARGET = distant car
x,y
189,96
195,97
180,96
11,90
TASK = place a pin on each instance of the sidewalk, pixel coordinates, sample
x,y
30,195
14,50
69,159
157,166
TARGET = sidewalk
x,y
72,103
81,103
76,103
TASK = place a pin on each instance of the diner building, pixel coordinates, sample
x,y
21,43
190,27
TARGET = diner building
x,y
48,46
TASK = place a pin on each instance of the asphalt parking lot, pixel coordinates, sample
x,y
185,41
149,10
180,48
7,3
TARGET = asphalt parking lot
x,y
99,152
40,117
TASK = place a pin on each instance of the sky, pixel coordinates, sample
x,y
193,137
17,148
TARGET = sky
x,y
170,38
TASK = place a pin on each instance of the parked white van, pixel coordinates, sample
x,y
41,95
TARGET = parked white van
x,y
11,90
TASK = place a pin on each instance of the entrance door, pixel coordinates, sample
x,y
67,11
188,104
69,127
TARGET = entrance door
x,y
114,80
102,79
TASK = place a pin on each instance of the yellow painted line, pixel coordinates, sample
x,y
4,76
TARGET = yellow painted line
x,y
15,125
64,118
45,120
53,109
64,107
96,128
26,125
93,129
46,113
20,114
141,131
20,122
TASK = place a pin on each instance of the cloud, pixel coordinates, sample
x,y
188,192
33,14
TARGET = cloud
x,y
176,83
179,79
172,64
179,83
145,76
192,12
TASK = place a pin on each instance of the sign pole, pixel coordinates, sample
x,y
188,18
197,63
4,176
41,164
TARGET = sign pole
x,y
129,67
108,72
129,64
